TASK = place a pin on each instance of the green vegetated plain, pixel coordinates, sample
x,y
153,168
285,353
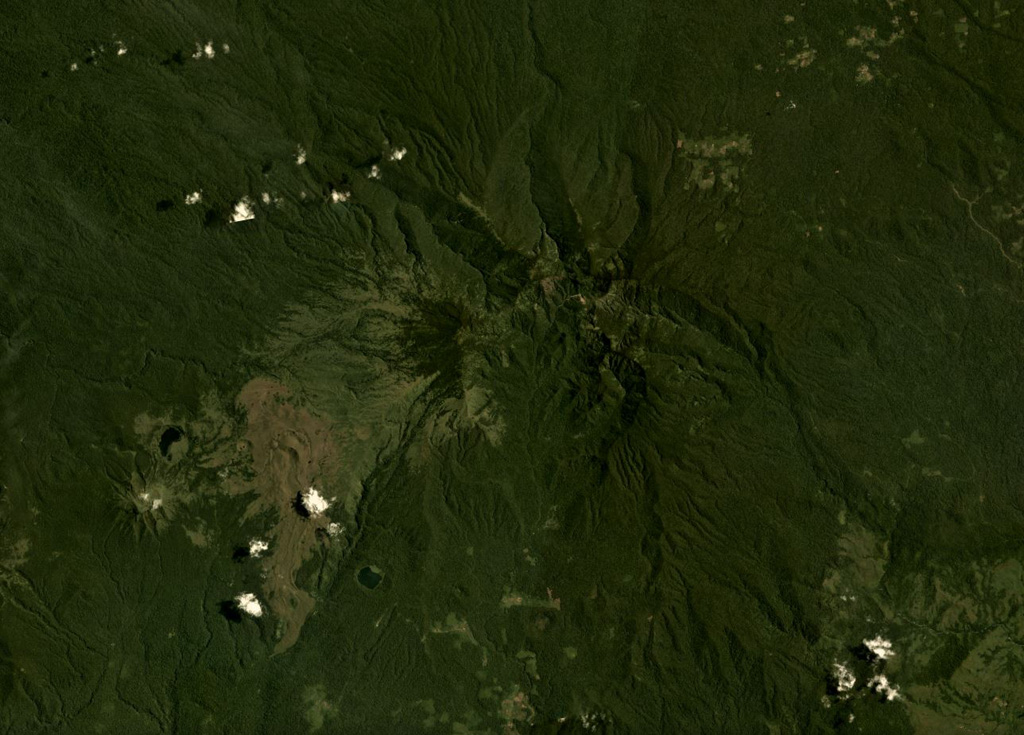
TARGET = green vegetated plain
x,y
678,355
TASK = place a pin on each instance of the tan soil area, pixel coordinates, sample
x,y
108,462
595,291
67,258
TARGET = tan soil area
x,y
291,450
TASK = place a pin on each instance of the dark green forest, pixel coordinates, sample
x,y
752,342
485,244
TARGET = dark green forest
x,y
468,367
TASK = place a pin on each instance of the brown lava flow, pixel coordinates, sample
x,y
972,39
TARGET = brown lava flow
x,y
291,449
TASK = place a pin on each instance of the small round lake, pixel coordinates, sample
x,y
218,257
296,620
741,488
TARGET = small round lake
x,y
168,438
369,577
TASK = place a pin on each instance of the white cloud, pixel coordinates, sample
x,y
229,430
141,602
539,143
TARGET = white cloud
x,y
248,604
257,546
243,211
300,155
206,50
335,529
397,154
340,196
193,198
374,171
844,677
314,503
880,683
880,647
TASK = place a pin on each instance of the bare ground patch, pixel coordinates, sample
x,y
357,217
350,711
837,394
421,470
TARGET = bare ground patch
x,y
291,449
